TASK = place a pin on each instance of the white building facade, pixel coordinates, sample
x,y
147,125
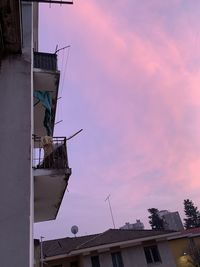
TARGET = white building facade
x,y
16,87
24,179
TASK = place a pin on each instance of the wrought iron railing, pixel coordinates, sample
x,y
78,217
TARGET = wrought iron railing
x,y
50,153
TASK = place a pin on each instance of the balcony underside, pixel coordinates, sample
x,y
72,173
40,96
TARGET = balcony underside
x,y
44,81
49,189
10,26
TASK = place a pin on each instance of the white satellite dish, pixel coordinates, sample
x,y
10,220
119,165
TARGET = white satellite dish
x,y
74,230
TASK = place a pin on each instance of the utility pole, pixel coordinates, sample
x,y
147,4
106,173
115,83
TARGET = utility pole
x,y
108,199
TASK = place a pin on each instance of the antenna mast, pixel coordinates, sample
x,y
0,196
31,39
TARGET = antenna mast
x,y
108,199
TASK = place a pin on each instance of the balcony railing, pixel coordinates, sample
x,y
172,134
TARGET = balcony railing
x,y
50,153
45,61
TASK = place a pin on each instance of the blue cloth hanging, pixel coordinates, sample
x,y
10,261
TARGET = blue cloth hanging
x,y
45,98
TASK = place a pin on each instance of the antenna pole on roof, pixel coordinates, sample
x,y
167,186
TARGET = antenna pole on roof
x,y
108,199
56,48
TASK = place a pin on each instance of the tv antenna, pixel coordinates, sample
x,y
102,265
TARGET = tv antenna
x,y
70,137
62,48
111,213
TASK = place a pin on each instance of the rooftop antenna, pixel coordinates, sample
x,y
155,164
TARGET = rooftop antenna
x,y
62,48
70,137
58,122
74,230
108,199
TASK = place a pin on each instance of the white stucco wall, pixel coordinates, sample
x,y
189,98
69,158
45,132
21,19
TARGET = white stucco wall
x,y
15,152
166,254
105,259
134,257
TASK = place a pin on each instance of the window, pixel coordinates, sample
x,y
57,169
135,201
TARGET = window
x,y
95,261
74,264
152,254
117,259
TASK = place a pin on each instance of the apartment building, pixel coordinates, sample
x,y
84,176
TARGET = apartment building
x,y
125,248
112,248
138,225
172,220
34,169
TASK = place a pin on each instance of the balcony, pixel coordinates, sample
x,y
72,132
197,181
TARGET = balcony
x,y
45,61
51,174
45,81
10,27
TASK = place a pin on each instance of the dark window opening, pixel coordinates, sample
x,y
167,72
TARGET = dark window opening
x,y
74,264
95,261
117,259
152,254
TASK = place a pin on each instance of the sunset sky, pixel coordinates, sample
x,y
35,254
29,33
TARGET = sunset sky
x,y
132,82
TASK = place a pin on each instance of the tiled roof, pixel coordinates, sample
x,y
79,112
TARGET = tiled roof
x,y
191,231
65,245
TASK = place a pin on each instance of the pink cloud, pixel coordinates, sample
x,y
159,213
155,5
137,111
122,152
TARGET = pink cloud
x,y
128,59
138,81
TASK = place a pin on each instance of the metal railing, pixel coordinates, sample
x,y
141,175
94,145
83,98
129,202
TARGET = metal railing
x,y
51,154
45,61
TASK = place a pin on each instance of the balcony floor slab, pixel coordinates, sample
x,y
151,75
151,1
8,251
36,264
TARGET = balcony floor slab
x,y
49,189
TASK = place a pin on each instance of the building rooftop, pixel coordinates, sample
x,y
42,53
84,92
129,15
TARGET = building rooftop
x,y
111,236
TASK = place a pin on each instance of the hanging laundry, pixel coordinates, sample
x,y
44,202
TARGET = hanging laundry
x,y
47,144
45,98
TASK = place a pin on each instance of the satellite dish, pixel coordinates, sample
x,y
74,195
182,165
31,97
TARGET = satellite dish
x,y
74,230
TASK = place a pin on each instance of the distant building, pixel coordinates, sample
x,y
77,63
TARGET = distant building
x,y
172,220
133,226
163,212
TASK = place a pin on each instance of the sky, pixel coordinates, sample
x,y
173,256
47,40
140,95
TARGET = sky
x,y
131,81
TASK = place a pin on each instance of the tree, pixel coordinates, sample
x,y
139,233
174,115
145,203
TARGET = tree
x,y
155,220
192,214
193,252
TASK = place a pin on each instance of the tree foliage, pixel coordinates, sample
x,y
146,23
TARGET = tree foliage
x,y
192,214
155,220
193,252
